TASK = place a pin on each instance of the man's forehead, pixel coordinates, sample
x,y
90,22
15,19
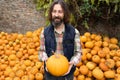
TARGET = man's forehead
x,y
57,6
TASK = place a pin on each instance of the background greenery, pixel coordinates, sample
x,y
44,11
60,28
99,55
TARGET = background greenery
x,y
85,11
87,15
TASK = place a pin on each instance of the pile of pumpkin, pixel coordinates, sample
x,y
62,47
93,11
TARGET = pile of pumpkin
x,y
100,58
19,57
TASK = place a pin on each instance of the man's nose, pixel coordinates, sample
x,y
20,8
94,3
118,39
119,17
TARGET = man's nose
x,y
56,14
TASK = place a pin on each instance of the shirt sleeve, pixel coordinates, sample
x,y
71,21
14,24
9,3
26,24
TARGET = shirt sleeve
x,y
42,54
77,49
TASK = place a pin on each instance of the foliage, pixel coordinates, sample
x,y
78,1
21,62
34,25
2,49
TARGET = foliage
x,y
43,4
84,10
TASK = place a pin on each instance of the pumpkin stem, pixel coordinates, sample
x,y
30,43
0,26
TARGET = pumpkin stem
x,y
56,55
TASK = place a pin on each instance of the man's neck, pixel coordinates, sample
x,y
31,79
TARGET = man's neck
x,y
60,28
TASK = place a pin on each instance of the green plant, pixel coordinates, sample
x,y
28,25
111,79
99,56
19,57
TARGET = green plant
x,y
43,5
83,10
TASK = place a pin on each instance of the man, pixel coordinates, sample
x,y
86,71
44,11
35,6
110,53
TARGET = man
x,y
60,37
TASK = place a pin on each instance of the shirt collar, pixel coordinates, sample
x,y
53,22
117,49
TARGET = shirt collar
x,y
63,30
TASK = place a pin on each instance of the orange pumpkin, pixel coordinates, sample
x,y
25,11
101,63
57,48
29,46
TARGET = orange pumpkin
x,y
117,77
16,78
93,36
96,58
89,73
113,40
79,64
106,38
109,74
103,66
116,58
90,65
110,63
105,44
98,43
39,76
83,38
38,64
80,77
27,62
117,63
34,70
29,34
97,73
87,34
76,72
118,70
25,77
57,64
31,76
98,38
83,69
118,52
88,78
89,56
113,46
101,53
19,73
93,52
89,44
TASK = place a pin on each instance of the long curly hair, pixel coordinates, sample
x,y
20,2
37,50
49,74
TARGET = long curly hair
x,y
66,11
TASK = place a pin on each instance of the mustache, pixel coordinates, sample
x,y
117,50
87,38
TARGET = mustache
x,y
56,18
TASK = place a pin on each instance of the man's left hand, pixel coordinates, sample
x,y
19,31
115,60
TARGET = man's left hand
x,y
70,66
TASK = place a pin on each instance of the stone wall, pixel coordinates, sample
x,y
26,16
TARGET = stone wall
x,y
19,16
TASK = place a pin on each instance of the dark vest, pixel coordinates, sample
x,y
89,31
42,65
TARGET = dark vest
x,y
68,41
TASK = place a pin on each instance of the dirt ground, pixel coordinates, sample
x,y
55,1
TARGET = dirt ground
x,y
103,28
20,16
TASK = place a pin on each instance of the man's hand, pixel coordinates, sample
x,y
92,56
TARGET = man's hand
x,y
70,66
46,67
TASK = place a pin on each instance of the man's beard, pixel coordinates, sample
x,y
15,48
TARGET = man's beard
x,y
57,21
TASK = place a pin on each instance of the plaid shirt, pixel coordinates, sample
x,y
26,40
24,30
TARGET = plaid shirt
x,y
59,37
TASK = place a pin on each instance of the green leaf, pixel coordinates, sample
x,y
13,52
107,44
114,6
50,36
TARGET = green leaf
x,y
114,1
38,6
72,19
116,8
107,1
46,12
86,24
92,1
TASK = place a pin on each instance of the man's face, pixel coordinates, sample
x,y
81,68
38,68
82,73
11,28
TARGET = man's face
x,y
57,15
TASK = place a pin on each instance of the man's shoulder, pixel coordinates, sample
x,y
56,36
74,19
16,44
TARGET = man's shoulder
x,y
70,26
73,29
47,29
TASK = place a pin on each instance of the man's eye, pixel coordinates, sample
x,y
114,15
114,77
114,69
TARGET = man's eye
x,y
60,11
54,11
57,11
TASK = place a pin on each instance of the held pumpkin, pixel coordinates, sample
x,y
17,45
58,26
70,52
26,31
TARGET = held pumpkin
x,y
57,64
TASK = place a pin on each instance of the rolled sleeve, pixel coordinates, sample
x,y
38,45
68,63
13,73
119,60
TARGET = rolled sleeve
x,y
77,51
42,54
